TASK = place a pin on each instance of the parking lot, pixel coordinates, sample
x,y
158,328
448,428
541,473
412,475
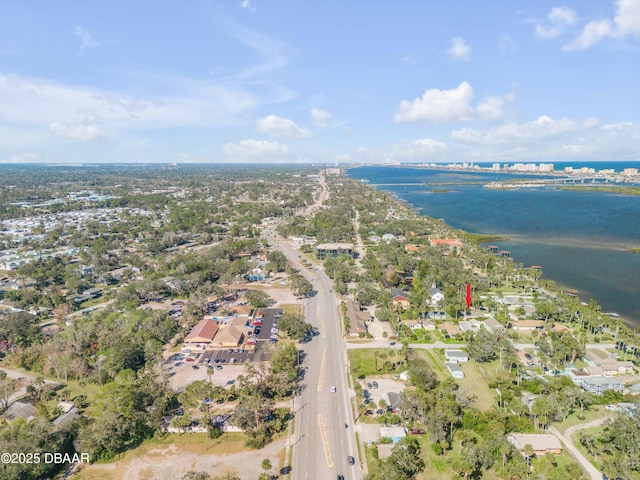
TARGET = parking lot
x,y
227,363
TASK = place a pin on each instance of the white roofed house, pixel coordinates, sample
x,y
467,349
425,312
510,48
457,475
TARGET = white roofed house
x,y
456,356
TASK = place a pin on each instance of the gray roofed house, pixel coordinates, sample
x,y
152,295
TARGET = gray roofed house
x,y
456,356
492,325
21,410
67,417
455,370
396,401
598,385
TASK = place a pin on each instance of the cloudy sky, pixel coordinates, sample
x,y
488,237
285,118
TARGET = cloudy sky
x,y
321,81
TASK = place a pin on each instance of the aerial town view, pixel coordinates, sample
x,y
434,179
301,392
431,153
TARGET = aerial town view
x,y
302,240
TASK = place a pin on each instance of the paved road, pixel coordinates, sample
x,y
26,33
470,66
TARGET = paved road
x,y
321,443
565,439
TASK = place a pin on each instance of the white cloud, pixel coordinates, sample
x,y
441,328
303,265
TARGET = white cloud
x,y
625,24
459,49
86,40
246,4
257,149
491,107
82,133
441,106
32,105
279,127
437,105
320,118
559,19
542,128
428,144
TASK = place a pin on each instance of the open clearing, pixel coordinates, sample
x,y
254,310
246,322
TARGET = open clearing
x,y
174,455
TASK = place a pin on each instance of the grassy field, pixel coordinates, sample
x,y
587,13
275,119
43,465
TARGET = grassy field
x,y
292,308
476,378
363,361
596,411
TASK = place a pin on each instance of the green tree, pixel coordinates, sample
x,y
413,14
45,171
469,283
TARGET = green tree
x,y
257,298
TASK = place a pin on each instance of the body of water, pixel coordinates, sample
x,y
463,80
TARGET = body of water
x,y
579,238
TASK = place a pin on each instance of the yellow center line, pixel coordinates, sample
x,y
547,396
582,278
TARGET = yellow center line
x,y
325,442
320,377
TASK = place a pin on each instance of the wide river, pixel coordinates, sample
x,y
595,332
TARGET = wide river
x,y
579,238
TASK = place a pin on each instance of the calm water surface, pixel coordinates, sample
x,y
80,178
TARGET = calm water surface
x,y
577,237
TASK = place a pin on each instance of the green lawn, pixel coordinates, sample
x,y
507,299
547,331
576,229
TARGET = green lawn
x,y
477,377
363,361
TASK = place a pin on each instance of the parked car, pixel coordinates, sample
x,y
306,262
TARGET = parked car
x,y
233,360
195,367
374,384
189,359
369,385
527,356
218,367
416,431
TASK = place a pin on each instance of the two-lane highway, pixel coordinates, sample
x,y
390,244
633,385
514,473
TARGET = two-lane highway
x,y
321,442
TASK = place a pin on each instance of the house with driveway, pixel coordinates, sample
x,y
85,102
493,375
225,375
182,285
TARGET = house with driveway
x,y
541,443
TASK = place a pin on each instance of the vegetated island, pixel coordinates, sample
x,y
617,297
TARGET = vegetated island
x,y
633,249
620,190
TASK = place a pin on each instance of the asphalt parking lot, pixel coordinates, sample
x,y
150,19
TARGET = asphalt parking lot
x,y
228,363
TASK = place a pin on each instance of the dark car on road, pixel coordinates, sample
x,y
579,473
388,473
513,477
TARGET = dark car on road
x,y
351,460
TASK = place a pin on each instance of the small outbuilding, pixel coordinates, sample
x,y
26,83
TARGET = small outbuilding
x,y
455,370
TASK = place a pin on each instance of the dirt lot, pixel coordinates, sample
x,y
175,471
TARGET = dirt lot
x,y
172,461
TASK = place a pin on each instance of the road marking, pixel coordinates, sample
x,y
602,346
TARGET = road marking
x,y
325,442
324,361
324,327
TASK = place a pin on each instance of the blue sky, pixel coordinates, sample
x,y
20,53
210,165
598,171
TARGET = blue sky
x,y
319,81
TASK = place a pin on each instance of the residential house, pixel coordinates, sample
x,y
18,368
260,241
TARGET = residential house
x,y
456,356
469,326
357,319
598,385
396,401
93,292
436,295
528,325
399,297
492,325
541,443
455,370
448,328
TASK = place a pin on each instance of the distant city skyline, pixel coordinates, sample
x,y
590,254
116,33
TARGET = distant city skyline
x,y
258,81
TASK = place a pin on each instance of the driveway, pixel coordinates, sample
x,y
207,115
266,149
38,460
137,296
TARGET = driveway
x,y
565,439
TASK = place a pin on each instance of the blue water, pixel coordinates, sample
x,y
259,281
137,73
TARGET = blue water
x,y
577,237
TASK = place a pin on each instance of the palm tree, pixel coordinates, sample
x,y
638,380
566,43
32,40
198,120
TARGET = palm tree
x,y
209,372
